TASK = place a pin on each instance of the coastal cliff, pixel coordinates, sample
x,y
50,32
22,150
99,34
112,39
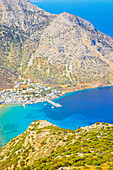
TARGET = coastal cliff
x,y
46,146
52,49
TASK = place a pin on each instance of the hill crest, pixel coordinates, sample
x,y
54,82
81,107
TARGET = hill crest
x,y
46,146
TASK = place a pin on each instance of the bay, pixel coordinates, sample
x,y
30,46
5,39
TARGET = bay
x,y
82,108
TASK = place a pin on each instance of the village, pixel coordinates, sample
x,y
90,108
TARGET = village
x,y
27,92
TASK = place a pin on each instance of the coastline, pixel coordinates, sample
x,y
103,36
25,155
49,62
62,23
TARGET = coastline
x,y
37,110
64,92
2,105
84,88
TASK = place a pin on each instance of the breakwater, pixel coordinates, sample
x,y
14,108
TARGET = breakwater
x,y
55,104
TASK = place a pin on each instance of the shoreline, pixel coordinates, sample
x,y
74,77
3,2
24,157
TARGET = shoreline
x,y
63,94
84,88
2,105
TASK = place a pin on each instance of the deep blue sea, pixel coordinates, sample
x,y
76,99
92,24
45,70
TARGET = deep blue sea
x,y
98,12
78,109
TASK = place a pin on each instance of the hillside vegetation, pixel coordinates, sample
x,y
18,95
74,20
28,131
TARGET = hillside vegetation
x,y
44,146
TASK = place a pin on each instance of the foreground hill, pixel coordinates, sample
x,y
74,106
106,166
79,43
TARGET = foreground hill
x,y
44,146
53,49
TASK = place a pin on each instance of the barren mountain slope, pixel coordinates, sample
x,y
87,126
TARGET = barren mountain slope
x,y
72,51
21,25
54,49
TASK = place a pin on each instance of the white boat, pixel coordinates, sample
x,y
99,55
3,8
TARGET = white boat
x,y
52,107
24,105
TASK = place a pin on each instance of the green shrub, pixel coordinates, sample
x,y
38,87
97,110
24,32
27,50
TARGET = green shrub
x,y
86,167
43,142
96,163
98,168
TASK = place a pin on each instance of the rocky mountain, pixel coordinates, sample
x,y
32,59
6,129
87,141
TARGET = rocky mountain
x,y
72,51
21,25
53,49
44,146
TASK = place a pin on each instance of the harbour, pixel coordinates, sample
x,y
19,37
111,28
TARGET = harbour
x,y
77,110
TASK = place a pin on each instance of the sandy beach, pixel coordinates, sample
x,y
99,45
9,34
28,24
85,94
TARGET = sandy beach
x,y
2,105
73,89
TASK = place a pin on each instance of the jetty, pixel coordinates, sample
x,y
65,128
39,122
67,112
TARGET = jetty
x,y
43,100
53,103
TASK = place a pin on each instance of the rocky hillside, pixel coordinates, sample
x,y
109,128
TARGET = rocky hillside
x,y
53,49
72,51
44,146
21,25
7,77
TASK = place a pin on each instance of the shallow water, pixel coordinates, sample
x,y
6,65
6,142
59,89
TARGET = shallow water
x,y
78,109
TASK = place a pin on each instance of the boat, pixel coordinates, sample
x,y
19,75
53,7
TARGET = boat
x,y
52,107
24,105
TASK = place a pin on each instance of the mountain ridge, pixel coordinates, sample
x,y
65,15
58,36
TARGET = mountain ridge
x,y
53,49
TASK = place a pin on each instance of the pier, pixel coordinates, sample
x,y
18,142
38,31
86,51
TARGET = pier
x,y
43,100
55,104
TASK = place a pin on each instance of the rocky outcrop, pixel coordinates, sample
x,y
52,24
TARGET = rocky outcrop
x,y
46,146
21,14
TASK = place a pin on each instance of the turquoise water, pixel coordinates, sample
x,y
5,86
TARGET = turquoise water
x,y
98,12
78,109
